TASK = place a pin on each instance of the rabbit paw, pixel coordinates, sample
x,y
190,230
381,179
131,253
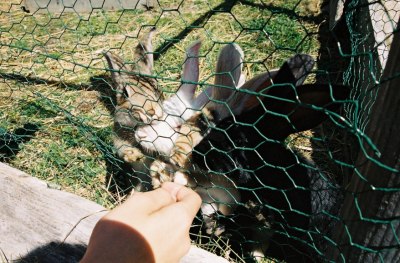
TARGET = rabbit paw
x,y
162,172
150,111
210,219
132,155
179,158
189,137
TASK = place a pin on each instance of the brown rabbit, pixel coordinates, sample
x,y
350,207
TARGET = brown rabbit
x,y
140,103
137,100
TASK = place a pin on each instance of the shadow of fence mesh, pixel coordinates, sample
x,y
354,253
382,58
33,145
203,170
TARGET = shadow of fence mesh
x,y
282,115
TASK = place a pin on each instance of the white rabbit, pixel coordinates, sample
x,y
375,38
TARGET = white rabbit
x,y
161,134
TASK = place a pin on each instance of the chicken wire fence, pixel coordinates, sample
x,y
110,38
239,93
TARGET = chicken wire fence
x,y
232,106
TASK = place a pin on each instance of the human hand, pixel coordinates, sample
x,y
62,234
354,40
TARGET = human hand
x,y
148,227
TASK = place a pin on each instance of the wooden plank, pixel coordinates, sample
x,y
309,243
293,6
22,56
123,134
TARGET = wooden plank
x,y
33,215
47,225
83,6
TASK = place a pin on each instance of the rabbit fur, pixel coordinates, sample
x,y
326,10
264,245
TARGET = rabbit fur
x,y
161,135
139,103
190,133
243,170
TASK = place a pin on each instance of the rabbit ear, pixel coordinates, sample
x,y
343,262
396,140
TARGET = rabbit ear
x,y
294,71
243,100
118,70
228,78
228,72
180,104
301,109
144,54
202,99
190,75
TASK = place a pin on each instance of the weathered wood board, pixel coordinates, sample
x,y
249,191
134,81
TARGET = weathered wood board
x,y
33,216
40,224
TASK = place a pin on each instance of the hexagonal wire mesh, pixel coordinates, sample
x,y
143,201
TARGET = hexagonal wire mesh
x,y
85,107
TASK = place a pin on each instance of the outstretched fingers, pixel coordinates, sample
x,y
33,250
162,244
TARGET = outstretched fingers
x,y
149,202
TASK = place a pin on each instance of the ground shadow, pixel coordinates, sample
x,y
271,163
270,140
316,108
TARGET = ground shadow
x,y
225,6
11,142
54,252
29,80
103,84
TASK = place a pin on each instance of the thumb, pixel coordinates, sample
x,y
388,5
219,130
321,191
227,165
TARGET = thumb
x,y
184,196
189,200
172,189
186,206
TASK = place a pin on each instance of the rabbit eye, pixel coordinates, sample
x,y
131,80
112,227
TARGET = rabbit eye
x,y
136,115
125,93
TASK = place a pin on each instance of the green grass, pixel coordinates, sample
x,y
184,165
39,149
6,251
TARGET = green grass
x,y
47,61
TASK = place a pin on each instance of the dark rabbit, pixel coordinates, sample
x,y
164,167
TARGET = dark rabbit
x,y
280,186
269,193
